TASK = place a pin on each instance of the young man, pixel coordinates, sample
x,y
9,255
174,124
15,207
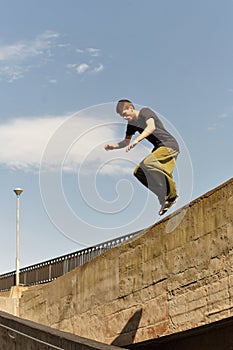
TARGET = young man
x,y
155,171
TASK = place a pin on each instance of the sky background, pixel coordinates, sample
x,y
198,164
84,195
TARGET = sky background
x,y
63,66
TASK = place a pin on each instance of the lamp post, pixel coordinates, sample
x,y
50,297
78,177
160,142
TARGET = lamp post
x,y
18,192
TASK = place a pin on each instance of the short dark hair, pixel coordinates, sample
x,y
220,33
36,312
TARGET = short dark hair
x,y
123,104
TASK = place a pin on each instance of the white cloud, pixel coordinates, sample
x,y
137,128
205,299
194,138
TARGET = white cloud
x,y
12,72
63,45
23,56
86,68
79,51
18,58
23,141
223,116
98,69
219,122
212,127
64,143
27,49
91,65
71,65
82,68
93,52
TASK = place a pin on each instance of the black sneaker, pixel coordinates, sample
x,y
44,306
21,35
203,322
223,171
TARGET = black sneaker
x,y
167,205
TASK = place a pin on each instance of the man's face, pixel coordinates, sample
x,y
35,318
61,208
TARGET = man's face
x,y
128,113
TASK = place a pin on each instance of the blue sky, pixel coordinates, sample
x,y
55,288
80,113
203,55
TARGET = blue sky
x,y
63,66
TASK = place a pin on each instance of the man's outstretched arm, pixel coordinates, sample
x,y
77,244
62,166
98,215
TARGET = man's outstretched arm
x,y
121,144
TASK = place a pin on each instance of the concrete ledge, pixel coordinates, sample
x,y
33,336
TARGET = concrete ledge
x,y
16,333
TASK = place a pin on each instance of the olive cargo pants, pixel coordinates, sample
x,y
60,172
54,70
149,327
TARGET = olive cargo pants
x,y
155,172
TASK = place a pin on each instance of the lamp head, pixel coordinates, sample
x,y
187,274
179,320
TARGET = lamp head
x,y
18,191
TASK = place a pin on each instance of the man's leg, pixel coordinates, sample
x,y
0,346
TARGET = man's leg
x,y
155,172
164,160
140,175
156,183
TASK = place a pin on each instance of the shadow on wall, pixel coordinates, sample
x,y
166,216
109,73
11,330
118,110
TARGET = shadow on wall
x,y
128,333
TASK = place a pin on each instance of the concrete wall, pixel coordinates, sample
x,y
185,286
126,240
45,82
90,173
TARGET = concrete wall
x,y
157,284
9,301
8,305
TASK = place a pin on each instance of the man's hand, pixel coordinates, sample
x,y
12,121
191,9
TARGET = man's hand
x,y
109,147
131,145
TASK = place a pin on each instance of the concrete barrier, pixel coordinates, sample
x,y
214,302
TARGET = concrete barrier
x,y
18,334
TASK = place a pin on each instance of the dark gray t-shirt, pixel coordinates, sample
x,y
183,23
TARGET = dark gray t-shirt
x,y
160,137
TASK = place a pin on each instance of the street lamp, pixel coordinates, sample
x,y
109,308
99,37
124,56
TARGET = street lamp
x,y
18,192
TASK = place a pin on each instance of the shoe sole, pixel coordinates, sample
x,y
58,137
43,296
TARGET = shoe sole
x,y
169,206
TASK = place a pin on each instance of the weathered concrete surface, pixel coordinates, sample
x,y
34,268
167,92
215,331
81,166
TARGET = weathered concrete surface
x,y
215,335
156,284
19,334
9,301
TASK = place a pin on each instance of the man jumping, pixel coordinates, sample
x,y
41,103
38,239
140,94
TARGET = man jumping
x,y
155,171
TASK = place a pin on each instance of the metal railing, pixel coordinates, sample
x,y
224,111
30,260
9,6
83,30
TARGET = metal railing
x,y
49,270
